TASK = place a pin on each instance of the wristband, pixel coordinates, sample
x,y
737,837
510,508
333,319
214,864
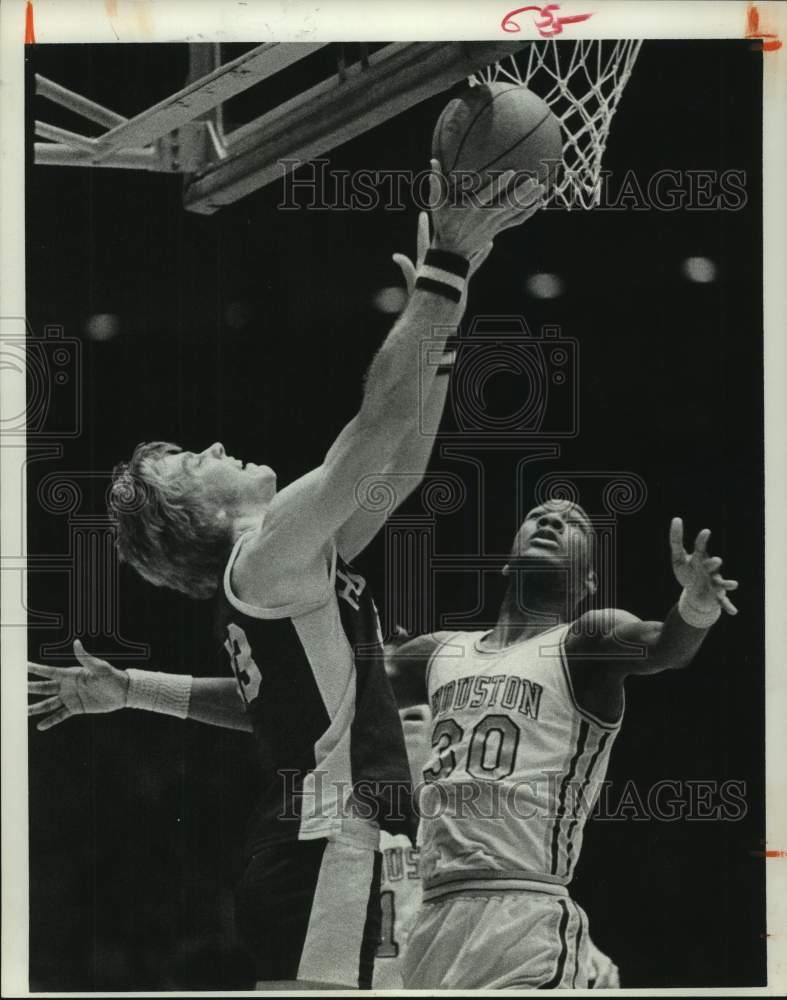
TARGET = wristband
x,y
697,617
152,691
443,273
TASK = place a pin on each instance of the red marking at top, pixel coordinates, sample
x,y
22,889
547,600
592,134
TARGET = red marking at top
x,y
776,854
770,42
551,24
30,34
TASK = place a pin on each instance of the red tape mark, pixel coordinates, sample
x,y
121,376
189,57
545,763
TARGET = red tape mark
x,y
30,34
770,42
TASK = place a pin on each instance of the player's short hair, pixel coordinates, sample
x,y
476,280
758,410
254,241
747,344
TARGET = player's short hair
x,y
166,526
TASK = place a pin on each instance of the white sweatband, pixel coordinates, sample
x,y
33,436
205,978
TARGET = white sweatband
x,y
697,617
152,691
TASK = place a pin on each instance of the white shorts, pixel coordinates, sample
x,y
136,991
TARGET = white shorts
x,y
505,940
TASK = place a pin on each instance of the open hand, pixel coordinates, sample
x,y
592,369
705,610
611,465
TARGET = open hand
x,y
698,573
90,688
467,222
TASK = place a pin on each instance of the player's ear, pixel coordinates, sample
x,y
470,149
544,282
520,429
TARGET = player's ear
x,y
591,583
506,570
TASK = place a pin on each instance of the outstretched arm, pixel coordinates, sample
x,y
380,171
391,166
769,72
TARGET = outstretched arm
x,y
619,643
96,687
405,470
311,511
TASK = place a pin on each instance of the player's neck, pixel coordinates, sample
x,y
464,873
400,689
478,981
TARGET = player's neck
x,y
246,519
523,616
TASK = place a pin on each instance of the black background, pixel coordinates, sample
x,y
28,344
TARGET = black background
x,y
135,820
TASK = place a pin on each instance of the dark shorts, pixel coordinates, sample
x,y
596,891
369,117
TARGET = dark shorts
x,y
310,910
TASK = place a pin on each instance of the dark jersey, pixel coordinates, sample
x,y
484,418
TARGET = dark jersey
x,y
325,720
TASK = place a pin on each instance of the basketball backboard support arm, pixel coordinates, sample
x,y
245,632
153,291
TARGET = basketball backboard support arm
x,y
183,133
180,110
366,94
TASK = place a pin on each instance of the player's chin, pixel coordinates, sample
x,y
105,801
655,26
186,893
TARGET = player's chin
x,y
263,475
541,555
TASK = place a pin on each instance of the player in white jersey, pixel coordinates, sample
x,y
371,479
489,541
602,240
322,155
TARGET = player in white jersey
x,y
401,891
524,718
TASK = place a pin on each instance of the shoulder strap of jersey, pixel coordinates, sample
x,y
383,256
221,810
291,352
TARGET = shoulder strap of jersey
x,y
283,611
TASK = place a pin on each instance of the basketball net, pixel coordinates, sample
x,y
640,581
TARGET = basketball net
x,y
582,82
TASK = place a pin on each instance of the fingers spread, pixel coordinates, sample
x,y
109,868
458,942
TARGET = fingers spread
x,y
43,687
435,194
701,541
676,539
42,707
42,671
54,719
527,194
422,242
408,270
728,606
82,655
489,194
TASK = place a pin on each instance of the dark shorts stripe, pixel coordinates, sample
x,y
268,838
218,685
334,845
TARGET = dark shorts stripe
x,y
555,981
577,946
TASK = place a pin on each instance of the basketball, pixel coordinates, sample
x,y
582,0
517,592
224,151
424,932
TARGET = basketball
x,y
497,127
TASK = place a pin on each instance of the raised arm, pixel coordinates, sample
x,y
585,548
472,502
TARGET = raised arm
x,y
311,511
618,643
96,687
405,470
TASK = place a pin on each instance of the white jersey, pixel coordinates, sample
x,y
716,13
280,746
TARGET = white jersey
x,y
400,900
515,766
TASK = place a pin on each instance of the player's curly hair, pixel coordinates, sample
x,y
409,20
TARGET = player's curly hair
x,y
167,528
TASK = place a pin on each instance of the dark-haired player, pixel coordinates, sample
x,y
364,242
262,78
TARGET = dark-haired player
x,y
300,628
524,719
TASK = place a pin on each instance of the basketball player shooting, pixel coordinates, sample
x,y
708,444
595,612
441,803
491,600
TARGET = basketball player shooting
x,y
299,624
524,719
